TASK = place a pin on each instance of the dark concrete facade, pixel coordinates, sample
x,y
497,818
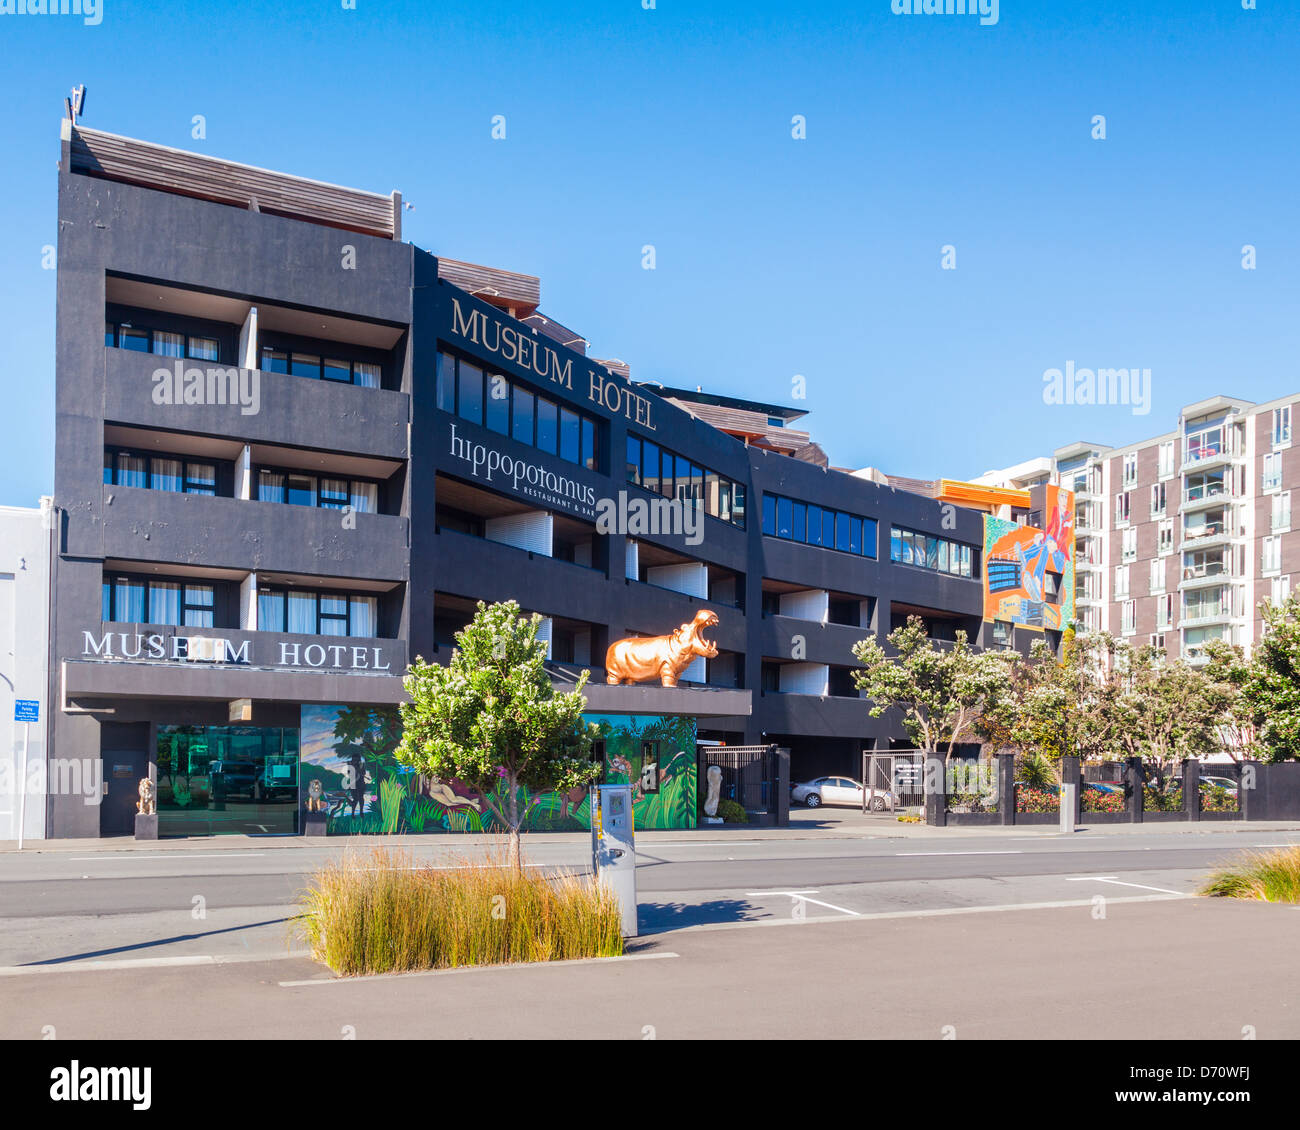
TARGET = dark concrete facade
x,y
122,236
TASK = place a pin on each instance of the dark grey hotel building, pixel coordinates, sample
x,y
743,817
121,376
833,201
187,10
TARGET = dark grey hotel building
x,y
293,451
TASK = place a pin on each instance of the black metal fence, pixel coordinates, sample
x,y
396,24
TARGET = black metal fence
x,y
754,776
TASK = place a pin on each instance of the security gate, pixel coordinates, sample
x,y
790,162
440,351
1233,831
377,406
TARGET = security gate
x,y
898,773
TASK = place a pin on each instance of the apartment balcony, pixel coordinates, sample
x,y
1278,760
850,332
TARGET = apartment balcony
x,y
1204,578
1203,617
277,409
1204,500
1210,535
1210,456
168,527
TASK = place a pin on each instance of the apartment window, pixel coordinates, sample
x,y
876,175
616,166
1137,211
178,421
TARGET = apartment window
x,y
1158,641
159,472
1165,611
1165,536
1002,633
651,467
1129,617
907,547
1168,466
1279,590
1121,580
1272,555
155,600
1158,575
297,489
1273,472
1159,501
320,367
1282,426
316,613
165,343
1130,543
1281,512
1122,509
1131,469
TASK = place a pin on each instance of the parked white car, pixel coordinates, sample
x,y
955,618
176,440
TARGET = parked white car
x,y
839,790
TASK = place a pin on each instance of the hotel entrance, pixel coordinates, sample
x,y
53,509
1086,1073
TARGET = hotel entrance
x,y
215,780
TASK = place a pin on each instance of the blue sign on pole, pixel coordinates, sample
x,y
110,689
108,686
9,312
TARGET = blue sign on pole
x,y
27,710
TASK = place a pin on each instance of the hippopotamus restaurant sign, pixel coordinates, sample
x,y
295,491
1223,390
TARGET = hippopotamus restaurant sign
x,y
550,483
521,350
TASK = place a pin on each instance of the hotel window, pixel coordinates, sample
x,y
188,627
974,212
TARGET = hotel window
x,y
1129,617
165,343
814,525
1131,469
907,547
1165,536
1281,512
501,405
315,366
1282,426
1168,466
316,613
150,600
159,472
1279,590
1158,500
1158,575
662,472
1121,509
1272,472
1130,544
1271,561
1121,580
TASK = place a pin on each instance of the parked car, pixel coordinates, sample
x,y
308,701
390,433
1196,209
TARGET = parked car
x,y
1226,783
839,790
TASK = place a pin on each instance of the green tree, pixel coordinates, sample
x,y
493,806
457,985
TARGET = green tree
x,y
942,691
1270,685
493,719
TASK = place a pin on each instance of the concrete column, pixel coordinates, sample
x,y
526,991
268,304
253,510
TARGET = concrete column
x,y
936,795
248,603
1133,788
1071,774
248,358
244,474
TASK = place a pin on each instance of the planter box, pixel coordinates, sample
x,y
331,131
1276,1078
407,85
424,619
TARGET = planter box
x,y
974,818
1038,817
1106,818
146,827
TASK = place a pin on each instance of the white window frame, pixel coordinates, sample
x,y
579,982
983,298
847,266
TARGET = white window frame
x,y
1271,479
1123,509
1158,492
1280,523
1130,469
1128,617
1271,556
1281,427
1168,460
1121,581
1280,590
1129,544
1158,574
1165,537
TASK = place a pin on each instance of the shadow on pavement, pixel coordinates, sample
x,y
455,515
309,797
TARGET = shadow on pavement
x,y
660,917
151,945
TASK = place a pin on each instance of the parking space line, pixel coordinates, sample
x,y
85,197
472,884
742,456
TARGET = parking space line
x,y
1120,883
802,896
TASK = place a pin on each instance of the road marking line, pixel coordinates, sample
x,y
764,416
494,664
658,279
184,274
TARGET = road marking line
x,y
802,896
475,969
1016,851
113,857
1120,883
145,963
938,913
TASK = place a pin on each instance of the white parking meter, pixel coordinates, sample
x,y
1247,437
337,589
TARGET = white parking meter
x,y
614,849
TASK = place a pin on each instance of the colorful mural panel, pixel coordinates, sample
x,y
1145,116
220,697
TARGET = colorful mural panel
x,y
1028,571
349,751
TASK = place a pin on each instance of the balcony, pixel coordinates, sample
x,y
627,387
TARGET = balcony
x,y
1216,447
285,410
231,533
1204,576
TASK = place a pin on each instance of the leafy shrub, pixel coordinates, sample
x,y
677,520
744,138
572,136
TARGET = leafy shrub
x,y
732,812
1101,800
1218,799
377,913
972,802
1162,800
1272,876
1030,799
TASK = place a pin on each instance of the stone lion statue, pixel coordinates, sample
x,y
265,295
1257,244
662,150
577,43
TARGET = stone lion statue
x,y
640,659
315,796
147,805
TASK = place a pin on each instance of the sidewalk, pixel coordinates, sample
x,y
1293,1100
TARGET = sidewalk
x,y
805,824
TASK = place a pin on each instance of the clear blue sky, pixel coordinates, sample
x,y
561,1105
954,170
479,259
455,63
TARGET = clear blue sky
x,y
775,257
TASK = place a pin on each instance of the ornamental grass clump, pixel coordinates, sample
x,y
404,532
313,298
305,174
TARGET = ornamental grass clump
x,y
380,913
1271,876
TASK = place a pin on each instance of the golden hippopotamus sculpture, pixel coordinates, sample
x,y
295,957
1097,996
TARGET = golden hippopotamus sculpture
x,y
642,658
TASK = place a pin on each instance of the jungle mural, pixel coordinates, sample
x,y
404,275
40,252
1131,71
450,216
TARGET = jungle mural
x,y
1029,572
349,749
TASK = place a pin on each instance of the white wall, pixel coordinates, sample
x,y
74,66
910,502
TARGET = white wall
x,y
532,530
692,578
632,564
24,647
805,678
808,604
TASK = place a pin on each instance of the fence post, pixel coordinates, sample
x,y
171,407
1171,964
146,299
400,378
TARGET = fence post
x,y
1192,788
1250,801
935,783
1007,788
781,802
1133,783
1072,774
